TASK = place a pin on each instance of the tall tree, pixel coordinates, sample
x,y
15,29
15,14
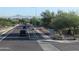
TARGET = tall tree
x,y
47,18
35,21
66,20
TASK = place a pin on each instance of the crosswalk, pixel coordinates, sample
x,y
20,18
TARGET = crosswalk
x,y
30,35
46,46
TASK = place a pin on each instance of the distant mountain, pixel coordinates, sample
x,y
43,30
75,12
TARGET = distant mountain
x,y
19,17
16,17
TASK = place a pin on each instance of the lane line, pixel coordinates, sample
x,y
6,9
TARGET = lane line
x,y
16,37
4,36
7,31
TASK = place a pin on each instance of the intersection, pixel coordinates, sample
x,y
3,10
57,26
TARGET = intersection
x,y
35,40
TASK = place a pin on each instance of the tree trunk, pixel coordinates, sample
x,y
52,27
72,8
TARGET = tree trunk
x,y
74,33
61,34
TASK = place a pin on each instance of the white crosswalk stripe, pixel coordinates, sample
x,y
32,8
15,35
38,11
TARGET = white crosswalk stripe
x,y
47,46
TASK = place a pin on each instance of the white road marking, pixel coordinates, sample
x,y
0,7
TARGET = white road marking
x,y
6,32
16,37
62,41
4,36
4,48
47,46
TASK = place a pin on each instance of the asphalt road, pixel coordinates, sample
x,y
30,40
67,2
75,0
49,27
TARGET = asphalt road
x,y
15,42
66,46
33,41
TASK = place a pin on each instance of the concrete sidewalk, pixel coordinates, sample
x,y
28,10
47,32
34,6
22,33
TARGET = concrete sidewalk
x,y
49,39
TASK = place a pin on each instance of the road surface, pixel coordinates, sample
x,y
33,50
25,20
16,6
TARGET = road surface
x,y
33,41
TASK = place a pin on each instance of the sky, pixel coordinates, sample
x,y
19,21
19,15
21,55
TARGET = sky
x,y
32,11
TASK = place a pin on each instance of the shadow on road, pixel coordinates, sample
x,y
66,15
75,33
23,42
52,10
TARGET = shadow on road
x,y
17,36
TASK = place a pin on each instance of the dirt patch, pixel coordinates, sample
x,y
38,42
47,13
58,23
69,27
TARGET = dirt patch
x,y
42,29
